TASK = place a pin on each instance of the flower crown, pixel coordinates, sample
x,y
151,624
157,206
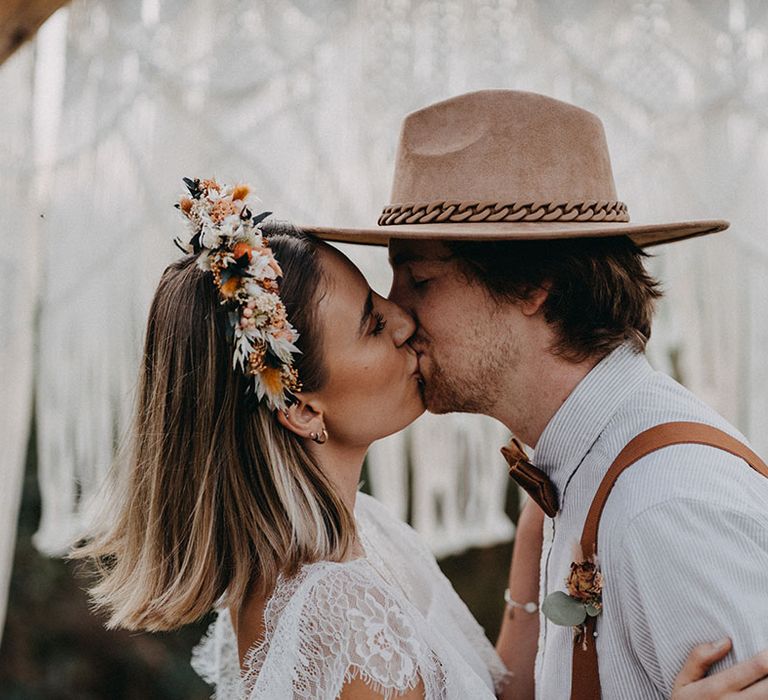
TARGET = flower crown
x,y
229,243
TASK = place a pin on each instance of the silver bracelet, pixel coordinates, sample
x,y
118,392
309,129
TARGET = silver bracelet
x,y
527,607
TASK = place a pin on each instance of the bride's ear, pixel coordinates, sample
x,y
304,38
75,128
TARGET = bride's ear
x,y
302,417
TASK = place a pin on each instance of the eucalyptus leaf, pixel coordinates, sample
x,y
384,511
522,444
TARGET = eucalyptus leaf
x,y
593,610
561,609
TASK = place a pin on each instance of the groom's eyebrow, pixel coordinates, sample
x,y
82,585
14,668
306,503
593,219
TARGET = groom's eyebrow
x,y
406,256
367,311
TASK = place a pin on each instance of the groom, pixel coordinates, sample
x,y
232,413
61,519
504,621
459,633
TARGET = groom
x,y
527,280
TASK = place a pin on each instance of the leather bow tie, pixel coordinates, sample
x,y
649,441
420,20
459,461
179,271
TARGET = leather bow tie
x,y
534,481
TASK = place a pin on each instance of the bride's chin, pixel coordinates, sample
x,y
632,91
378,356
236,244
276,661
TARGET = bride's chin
x,y
416,408
407,414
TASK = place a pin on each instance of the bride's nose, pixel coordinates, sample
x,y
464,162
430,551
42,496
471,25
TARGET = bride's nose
x,y
403,325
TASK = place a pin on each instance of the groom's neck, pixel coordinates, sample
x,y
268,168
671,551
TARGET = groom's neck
x,y
537,389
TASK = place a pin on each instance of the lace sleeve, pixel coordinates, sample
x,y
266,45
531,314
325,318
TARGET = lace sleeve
x,y
215,658
339,624
411,553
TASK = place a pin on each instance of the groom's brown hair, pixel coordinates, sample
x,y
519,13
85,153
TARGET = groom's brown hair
x,y
599,292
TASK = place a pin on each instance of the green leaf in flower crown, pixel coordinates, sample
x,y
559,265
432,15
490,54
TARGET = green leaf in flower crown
x,y
592,610
193,186
560,608
232,319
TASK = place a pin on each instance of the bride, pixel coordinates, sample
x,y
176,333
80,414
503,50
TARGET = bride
x,y
269,368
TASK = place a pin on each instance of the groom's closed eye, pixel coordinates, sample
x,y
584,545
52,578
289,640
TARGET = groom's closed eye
x,y
424,272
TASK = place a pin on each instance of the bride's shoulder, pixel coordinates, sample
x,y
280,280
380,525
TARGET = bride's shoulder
x,y
370,510
366,504
377,516
344,594
335,622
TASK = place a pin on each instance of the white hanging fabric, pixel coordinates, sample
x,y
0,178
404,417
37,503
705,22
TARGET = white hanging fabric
x,y
458,480
19,255
304,100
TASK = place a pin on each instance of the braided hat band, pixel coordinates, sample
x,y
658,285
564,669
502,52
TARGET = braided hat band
x,y
229,243
470,212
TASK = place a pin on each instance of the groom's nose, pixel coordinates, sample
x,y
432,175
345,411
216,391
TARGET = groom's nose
x,y
398,293
407,322
404,325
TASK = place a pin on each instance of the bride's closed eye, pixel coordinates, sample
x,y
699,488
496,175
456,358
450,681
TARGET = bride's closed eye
x,y
380,323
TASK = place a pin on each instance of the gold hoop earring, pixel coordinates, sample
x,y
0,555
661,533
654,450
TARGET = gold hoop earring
x,y
320,439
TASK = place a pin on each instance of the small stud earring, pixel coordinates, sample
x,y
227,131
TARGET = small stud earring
x,y
320,439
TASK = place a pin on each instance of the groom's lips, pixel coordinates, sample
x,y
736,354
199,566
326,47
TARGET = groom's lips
x,y
419,355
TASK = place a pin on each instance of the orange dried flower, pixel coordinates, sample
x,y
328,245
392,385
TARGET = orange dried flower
x,y
585,582
222,209
185,204
241,249
272,379
256,358
240,192
229,287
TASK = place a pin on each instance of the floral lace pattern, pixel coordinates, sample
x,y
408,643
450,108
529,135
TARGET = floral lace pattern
x,y
445,597
334,622
349,627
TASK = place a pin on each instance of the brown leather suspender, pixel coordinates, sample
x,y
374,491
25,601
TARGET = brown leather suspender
x,y
585,677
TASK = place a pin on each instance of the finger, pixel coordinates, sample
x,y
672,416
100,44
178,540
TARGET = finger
x,y
699,661
740,676
758,691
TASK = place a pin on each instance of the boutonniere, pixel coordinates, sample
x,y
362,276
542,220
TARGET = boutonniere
x,y
584,598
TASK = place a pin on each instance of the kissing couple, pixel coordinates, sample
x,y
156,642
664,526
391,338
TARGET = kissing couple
x,y
519,292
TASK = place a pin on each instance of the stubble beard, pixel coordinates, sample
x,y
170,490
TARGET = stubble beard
x,y
475,390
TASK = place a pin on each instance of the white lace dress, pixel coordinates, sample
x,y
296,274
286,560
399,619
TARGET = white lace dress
x,y
390,619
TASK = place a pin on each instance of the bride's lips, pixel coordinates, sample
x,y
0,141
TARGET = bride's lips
x,y
417,372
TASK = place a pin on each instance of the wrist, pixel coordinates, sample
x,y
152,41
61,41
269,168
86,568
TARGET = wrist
x,y
513,605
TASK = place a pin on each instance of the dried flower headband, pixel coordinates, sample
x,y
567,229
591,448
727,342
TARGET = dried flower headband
x,y
228,241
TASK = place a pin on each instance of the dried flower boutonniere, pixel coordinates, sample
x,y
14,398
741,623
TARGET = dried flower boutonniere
x,y
584,598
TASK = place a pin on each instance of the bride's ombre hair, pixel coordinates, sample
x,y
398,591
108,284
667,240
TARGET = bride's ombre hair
x,y
210,496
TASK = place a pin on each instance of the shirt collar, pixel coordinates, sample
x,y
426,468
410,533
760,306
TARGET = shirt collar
x,y
581,418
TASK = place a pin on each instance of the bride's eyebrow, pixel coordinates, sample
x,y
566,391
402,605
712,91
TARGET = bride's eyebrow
x,y
367,311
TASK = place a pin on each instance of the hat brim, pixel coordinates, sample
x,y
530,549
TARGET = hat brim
x,y
643,235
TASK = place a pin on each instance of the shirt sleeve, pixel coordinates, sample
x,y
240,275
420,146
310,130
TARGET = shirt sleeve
x,y
691,572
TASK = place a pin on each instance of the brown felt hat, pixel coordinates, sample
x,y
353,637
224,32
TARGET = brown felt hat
x,y
506,165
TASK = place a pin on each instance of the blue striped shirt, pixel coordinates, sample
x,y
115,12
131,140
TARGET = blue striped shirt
x,y
683,538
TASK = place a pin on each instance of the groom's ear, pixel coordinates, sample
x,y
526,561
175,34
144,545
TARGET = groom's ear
x,y
531,305
303,417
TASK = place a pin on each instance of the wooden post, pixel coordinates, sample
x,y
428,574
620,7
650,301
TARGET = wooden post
x,y
20,19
